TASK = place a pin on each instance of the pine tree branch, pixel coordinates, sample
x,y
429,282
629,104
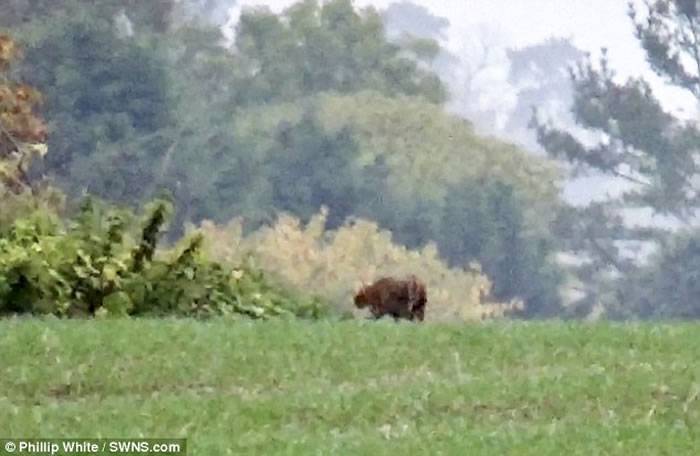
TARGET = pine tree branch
x,y
694,47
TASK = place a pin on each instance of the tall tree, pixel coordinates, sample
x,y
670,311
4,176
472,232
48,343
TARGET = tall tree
x,y
638,141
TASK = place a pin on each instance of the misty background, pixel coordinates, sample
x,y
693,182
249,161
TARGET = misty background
x,y
489,84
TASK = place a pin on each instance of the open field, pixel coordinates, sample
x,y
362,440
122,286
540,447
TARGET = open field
x,y
356,387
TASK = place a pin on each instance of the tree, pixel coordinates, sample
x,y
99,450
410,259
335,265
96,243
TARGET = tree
x,y
314,47
108,97
484,221
22,132
639,142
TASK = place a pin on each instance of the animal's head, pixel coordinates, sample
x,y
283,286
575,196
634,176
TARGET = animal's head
x,y
361,300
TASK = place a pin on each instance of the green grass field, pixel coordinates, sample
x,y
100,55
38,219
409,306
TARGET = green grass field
x,y
356,387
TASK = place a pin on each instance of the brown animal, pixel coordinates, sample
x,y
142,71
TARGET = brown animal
x,y
398,298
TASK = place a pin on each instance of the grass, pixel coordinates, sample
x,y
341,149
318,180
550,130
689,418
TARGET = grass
x,y
361,388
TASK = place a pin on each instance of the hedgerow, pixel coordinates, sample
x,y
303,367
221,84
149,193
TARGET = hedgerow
x,y
106,262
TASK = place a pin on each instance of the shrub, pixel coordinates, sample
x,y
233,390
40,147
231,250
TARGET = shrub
x,y
334,263
101,263
15,206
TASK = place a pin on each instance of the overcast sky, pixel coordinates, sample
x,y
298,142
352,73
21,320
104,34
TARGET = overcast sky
x,y
591,24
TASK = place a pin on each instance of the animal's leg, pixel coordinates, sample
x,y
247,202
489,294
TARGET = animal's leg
x,y
420,313
376,312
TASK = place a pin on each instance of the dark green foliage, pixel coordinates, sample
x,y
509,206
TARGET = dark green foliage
x,y
107,96
313,168
149,237
490,228
98,264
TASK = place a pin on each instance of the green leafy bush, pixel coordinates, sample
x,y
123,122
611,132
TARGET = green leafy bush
x,y
100,264
16,206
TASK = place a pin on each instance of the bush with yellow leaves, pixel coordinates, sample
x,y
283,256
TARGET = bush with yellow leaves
x,y
333,264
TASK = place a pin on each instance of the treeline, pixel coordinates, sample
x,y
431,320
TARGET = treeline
x,y
308,109
315,108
